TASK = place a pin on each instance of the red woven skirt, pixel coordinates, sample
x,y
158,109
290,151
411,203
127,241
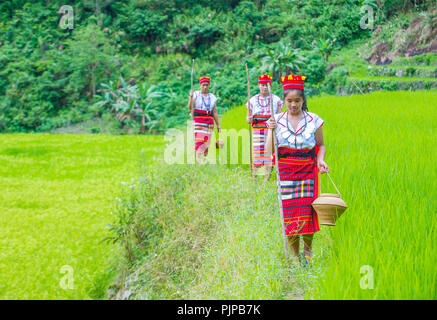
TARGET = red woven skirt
x,y
299,182
203,126
259,135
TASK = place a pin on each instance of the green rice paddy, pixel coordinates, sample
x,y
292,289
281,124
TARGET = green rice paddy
x,y
56,197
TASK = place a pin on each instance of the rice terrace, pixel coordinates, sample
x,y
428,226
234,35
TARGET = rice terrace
x,y
235,150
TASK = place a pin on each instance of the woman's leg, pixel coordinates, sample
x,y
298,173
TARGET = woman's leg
x,y
200,157
268,172
308,241
207,141
255,171
293,243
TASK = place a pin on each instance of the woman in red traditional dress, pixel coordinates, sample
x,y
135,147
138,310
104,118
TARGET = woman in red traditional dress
x,y
301,155
204,112
258,112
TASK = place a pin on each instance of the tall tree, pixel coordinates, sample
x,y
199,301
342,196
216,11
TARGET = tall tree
x,y
89,56
98,6
282,58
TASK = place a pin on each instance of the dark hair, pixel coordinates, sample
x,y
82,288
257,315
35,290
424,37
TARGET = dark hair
x,y
301,92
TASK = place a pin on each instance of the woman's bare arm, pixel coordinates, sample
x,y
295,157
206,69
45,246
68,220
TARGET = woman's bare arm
x,y
249,114
321,164
215,116
190,101
271,124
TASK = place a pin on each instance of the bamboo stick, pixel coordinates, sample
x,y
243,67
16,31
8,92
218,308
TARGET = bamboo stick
x,y
192,75
278,185
192,86
218,143
250,127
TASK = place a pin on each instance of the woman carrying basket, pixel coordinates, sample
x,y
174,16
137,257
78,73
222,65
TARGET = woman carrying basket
x,y
258,113
204,106
301,154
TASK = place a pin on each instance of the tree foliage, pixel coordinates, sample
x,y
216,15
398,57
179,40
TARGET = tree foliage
x,y
132,105
50,76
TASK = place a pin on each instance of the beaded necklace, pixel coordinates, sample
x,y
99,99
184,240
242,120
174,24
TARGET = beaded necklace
x,y
207,105
292,132
261,105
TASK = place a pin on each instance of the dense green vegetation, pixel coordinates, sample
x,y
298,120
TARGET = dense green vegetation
x,y
50,76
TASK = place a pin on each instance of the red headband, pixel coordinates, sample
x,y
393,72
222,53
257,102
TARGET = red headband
x,y
293,82
204,79
265,78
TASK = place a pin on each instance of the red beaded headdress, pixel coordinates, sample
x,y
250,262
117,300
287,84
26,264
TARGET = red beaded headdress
x,y
265,78
293,82
204,79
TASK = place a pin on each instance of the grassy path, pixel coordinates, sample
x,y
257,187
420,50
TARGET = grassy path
x,y
202,236
56,195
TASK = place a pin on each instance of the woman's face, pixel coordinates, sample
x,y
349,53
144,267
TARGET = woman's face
x,y
263,89
294,102
204,87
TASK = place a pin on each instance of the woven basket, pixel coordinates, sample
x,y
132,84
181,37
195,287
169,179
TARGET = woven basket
x,y
329,207
219,144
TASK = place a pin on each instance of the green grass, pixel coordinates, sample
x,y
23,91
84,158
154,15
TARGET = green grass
x,y
57,193
348,57
381,156
407,67
400,79
220,235
428,59
351,58
195,234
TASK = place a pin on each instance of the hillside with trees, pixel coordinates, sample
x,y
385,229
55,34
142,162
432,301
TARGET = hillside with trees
x,y
128,63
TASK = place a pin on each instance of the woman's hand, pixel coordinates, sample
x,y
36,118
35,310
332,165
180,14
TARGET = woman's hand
x,y
219,129
249,119
191,94
271,124
322,166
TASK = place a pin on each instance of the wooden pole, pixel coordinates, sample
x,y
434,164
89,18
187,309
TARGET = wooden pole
x,y
278,182
250,126
192,75
192,86
217,141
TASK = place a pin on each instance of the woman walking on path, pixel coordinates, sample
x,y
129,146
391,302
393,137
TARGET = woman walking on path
x,y
258,113
204,106
301,154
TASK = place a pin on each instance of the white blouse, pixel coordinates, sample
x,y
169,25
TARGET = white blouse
x,y
204,103
260,105
304,137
